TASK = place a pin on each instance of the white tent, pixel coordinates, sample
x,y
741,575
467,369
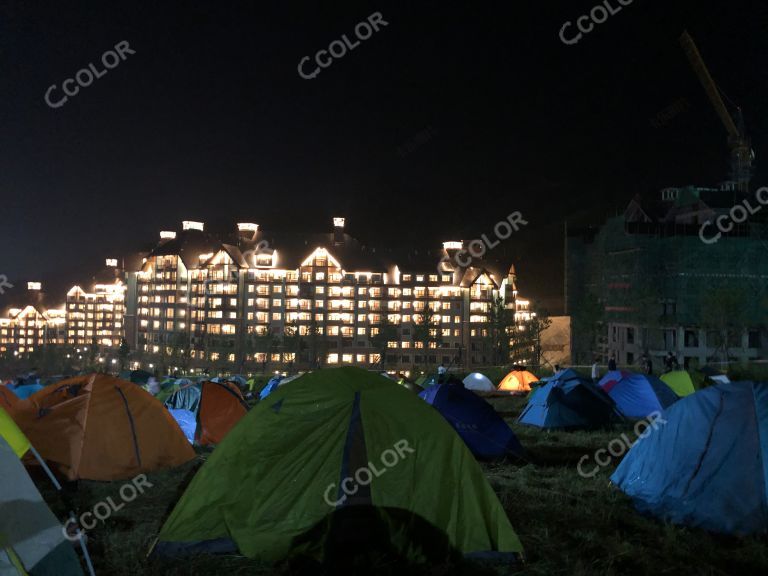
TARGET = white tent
x,y
290,379
479,383
31,538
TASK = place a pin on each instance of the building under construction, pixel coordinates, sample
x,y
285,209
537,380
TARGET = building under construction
x,y
684,272
646,283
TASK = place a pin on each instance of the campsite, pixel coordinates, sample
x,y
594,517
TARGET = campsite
x,y
542,468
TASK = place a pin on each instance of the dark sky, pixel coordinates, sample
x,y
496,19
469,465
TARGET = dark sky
x,y
210,120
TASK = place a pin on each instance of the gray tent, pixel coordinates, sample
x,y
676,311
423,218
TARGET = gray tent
x,y
31,538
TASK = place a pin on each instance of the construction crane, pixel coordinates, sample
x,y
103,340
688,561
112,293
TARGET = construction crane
x,y
738,142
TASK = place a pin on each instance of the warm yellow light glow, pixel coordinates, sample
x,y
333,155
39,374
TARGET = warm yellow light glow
x,y
192,225
323,253
27,311
221,258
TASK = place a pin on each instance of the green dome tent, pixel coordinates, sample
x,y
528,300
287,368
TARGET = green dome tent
x,y
680,382
340,454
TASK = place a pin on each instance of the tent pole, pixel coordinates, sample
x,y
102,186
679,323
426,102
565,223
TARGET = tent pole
x,y
80,539
45,467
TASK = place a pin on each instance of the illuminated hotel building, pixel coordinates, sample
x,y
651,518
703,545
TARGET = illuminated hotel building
x,y
253,300
303,300
28,327
96,317
87,318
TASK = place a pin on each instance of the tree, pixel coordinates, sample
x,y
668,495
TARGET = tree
x,y
123,352
178,353
317,343
646,303
722,313
292,342
93,351
501,326
588,319
426,329
535,328
387,332
53,358
264,343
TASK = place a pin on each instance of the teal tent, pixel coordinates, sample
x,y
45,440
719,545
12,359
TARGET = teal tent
x,y
570,401
704,461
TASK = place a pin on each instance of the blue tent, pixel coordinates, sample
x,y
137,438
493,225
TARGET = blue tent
x,y
187,421
271,386
706,462
484,432
186,398
637,395
239,380
24,391
568,400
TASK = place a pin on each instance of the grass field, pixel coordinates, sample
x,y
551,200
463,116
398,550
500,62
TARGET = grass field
x,y
568,524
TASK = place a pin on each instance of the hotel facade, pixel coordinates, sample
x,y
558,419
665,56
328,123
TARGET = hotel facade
x,y
251,300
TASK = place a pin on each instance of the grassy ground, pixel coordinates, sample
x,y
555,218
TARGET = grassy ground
x,y
568,524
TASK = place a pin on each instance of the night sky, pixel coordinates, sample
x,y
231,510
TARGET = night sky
x,y
438,126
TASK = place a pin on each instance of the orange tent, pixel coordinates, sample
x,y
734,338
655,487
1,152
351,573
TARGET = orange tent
x,y
98,427
7,398
221,407
517,381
